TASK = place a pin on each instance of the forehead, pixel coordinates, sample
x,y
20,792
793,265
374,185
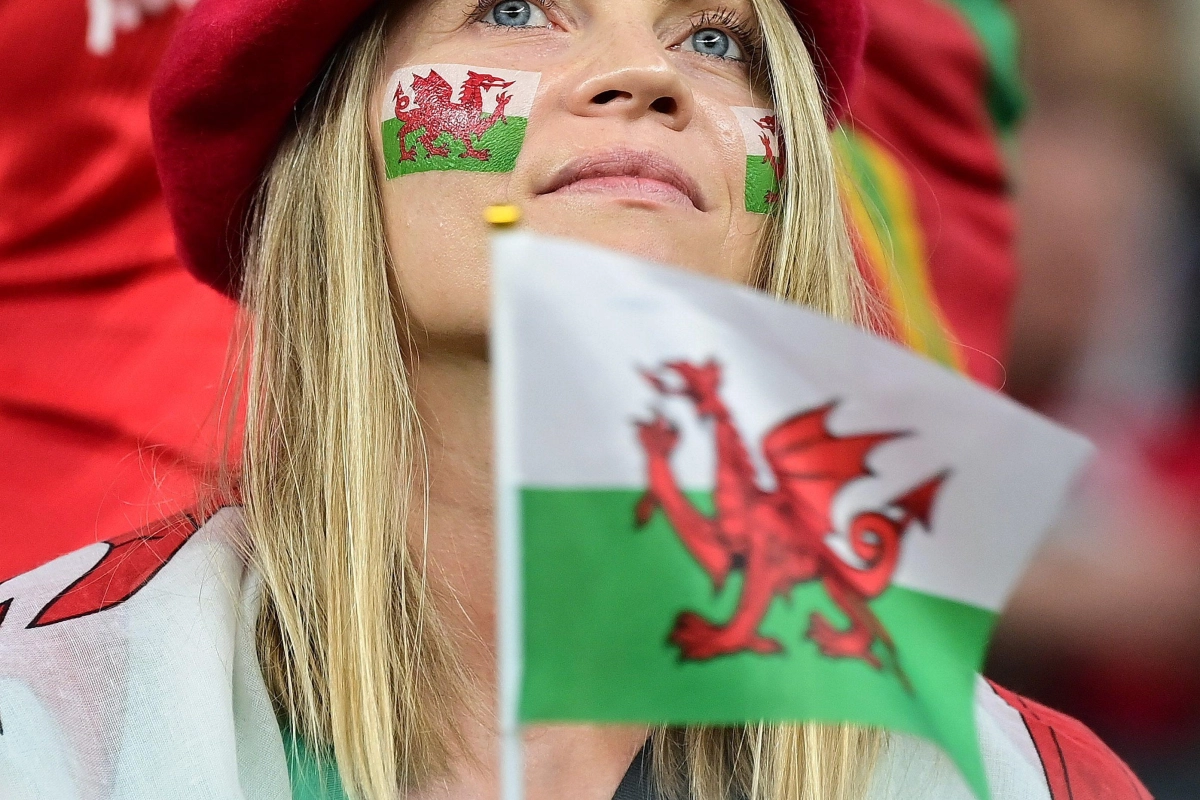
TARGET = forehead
x,y
698,5
742,7
672,7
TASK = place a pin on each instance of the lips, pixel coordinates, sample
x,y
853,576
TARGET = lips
x,y
640,174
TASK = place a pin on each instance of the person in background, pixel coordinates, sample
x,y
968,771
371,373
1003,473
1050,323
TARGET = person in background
x,y
110,356
928,182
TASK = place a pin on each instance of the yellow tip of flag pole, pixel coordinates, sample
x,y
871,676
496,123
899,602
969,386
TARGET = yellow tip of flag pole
x,y
508,585
503,216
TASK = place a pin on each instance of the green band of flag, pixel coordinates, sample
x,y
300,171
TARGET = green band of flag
x,y
502,143
601,597
762,187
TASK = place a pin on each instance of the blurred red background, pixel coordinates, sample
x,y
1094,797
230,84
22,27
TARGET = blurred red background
x,y
113,360
1106,337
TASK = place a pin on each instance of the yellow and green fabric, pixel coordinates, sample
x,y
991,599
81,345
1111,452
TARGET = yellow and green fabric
x,y
925,180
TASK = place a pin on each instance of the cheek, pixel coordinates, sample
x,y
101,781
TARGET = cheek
x,y
745,231
749,179
438,242
449,138
727,143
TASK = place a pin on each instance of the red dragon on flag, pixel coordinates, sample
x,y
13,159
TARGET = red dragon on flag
x,y
129,563
437,113
778,538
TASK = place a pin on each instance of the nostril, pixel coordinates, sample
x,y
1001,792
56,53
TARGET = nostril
x,y
665,105
604,98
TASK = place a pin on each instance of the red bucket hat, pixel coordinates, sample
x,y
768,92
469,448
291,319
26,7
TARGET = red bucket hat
x,y
236,68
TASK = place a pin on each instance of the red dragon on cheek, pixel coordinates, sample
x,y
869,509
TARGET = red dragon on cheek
x,y
770,126
778,538
436,113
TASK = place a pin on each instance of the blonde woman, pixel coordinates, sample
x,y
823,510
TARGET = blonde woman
x,y
334,632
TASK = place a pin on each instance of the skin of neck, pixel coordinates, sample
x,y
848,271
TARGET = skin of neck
x,y
453,393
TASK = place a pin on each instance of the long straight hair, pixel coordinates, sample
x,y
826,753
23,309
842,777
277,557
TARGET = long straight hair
x,y
333,471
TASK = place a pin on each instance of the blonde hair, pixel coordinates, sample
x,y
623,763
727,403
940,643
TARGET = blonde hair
x,y
332,473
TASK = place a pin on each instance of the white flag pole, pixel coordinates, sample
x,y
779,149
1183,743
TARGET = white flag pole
x,y
509,649
510,635
509,643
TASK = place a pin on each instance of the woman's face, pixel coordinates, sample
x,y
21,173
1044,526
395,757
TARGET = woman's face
x,y
610,121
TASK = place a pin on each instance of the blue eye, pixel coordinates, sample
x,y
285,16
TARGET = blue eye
x,y
517,14
713,42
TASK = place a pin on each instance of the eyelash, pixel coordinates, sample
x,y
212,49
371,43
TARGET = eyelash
x,y
723,18
482,7
733,23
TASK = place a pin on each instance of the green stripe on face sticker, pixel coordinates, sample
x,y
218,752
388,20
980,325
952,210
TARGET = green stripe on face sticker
x,y
455,117
764,160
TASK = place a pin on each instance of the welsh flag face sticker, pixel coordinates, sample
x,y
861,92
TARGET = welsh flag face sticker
x,y
764,160
455,117
719,508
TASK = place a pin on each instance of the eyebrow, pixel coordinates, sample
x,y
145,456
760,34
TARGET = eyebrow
x,y
737,5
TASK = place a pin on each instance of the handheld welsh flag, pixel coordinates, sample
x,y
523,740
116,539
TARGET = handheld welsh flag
x,y
719,508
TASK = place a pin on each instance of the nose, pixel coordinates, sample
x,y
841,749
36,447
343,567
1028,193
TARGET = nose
x,y
630,76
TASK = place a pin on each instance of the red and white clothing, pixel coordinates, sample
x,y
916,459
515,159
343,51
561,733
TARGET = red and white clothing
x,y
128,670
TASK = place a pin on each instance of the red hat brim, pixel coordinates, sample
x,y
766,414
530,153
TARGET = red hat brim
x,y
235,70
